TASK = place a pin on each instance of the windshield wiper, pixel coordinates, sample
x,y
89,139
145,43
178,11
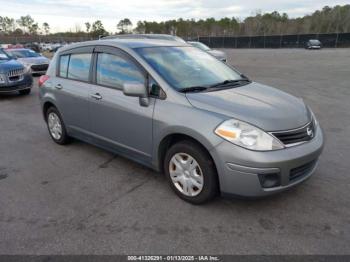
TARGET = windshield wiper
x,y
230,82
223,84
193,89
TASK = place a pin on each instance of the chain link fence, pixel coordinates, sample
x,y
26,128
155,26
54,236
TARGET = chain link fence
x,y
267,41
4,39
275,41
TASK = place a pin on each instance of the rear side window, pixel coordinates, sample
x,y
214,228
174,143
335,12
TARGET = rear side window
x,y
113,71
63,65
79,67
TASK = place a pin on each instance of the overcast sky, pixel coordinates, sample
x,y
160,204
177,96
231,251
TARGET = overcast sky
x,y
65,15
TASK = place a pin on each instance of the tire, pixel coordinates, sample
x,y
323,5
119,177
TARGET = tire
x,y
25,91
56,127
189,154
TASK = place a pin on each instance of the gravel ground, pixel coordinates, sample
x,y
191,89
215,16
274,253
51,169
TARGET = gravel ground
x,y
79,199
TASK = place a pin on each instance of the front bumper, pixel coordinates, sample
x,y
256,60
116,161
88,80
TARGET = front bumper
x,y
314,47
38,72
239,168
9,86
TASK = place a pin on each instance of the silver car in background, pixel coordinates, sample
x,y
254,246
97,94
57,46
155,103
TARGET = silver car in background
x,y
216,53
34,62
176,109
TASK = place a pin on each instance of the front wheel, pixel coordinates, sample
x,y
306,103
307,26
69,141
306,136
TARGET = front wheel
x,y
191,172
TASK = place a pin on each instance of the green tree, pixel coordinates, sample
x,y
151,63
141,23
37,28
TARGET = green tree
x,y
46,28
124,26
7,24
97,29
33,29
25,22
88,27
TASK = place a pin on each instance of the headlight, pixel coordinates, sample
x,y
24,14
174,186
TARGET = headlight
x,y
2,79
313,118
247,136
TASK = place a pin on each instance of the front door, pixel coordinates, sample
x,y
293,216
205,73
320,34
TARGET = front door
x,y
118,120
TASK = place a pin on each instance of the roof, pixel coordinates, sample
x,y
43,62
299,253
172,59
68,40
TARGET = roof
x,y
146,36
126,43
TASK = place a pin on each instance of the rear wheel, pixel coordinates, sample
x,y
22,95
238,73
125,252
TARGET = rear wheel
x,y
191,172
56,126
25,91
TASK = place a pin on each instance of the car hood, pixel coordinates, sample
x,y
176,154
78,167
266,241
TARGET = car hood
x,y
263,106
217,53
34,60
6,65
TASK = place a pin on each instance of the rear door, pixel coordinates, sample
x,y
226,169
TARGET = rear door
x,y
117,120
72,87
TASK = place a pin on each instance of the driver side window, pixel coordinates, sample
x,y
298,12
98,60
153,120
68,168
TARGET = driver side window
x,y
113,71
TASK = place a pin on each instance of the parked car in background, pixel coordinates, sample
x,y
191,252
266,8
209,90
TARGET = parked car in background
x,y
33,46
14,46
313,44
216,53
179,110
146,36
56,47
45,47
34,62
13,75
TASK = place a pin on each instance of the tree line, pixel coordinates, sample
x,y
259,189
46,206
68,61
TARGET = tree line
x,y
327,20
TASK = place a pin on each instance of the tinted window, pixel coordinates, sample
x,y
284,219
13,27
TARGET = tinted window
x,y
63,65
114,70
79,67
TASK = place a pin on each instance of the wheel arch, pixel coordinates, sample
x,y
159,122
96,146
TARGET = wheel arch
x,y
173,138
46,106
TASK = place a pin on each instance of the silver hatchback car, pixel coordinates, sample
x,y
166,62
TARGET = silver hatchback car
x,y
180,111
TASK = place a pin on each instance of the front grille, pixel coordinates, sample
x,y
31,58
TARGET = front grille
x,y
301,171
296,136
15,72
42,67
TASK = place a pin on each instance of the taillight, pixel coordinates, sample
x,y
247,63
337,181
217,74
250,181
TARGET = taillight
x,y
43,79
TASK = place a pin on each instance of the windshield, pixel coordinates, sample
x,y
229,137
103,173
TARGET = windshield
x,y
184,67
23,53
3,55
200,46
315,42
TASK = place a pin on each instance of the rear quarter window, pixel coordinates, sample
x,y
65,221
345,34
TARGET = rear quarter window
x,y
63,70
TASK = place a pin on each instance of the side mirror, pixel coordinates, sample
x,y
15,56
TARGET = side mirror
x,y
136,89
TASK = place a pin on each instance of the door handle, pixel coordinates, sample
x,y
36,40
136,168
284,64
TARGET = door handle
x,y
58,86
97,96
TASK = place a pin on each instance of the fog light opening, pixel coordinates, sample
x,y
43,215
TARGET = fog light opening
x,y
269,180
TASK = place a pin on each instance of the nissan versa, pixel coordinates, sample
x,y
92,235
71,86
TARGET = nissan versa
x,y
179,110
